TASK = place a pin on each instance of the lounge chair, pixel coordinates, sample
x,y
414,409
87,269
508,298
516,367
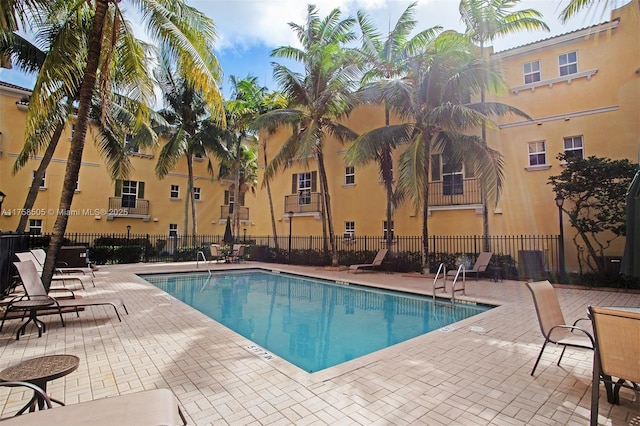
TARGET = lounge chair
x,y
377,261
482,262
34,288
552,323
41,257
152,407
617,345
27,256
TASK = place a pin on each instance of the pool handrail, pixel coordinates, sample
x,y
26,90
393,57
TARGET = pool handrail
x,y
442,269
462,269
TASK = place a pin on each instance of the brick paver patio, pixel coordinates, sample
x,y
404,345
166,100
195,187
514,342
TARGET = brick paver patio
x,y
474,373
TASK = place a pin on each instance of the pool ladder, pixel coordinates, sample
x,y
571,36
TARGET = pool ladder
x,y
442,269
200,254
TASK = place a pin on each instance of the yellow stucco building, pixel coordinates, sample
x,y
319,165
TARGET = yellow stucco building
x,y
582,90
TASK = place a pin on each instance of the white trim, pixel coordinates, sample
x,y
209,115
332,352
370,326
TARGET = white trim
x,y
568,78
565,38
477,207
561,117
538,167
57,160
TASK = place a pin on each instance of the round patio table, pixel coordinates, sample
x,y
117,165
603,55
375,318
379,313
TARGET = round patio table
x,y
32,305
39,371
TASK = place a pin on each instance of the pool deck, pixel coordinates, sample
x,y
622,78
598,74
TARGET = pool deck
x,y
476,372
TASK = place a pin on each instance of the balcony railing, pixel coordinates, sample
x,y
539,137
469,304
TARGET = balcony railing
x,y
467,192
303,203
119,206
227,211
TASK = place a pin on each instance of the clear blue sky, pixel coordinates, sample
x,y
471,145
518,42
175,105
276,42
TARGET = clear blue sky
x,y
249,29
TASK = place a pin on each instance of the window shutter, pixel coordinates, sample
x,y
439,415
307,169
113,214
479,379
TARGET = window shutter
x,y
294,183
140,189
118,188
226,197
314,181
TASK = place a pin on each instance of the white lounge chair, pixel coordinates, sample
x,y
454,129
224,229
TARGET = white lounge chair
x,y
377,261
28,256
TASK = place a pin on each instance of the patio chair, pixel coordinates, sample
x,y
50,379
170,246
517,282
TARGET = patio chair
x,y
216,253
617,344
552,323
152,407
237,256
41,257
34,288
28,256
377,261
482,262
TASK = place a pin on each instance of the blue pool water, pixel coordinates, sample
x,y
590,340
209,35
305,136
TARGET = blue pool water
x,y
314,324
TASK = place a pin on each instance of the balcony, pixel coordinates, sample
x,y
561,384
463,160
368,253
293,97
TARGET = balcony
x,y
128,207
306,203
466,192
227,211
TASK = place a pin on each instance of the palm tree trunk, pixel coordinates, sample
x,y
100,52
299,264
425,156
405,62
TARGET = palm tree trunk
x,y
273,216
387,177
77,142
327,204
425,208
236,191
485,213
37,177
192,197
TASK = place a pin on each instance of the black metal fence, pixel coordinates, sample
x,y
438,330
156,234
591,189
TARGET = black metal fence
x,y
525,256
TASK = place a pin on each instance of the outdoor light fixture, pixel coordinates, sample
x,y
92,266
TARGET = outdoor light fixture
x,y
128,231
561,265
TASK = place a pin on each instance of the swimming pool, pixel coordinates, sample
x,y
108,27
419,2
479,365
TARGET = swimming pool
x,y
314,324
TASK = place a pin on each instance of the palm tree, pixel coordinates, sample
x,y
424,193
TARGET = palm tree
x,y
191,132
387,59
485,21
433,99
188,34
317,99
575,6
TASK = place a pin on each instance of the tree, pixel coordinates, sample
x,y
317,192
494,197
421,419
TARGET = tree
x,y
318,99
191,132
434,100
188,34
575,6
595,188
386,60
485,21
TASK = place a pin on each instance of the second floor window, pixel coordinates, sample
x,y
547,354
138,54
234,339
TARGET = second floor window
x,y
568,63
531,72
349,175
129,144
175,192
196,193
129,191
537,153
573,147
43,183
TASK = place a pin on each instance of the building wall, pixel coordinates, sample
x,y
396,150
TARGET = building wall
x,y
602,106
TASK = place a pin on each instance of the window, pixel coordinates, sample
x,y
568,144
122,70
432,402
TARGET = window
x,y
129,144
537,153
229,199
173,230
349,230
304,188
196,193
35,226
531,72
175,192
568,63
573,147
386,229
129,193
350,175
43,183
452,178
